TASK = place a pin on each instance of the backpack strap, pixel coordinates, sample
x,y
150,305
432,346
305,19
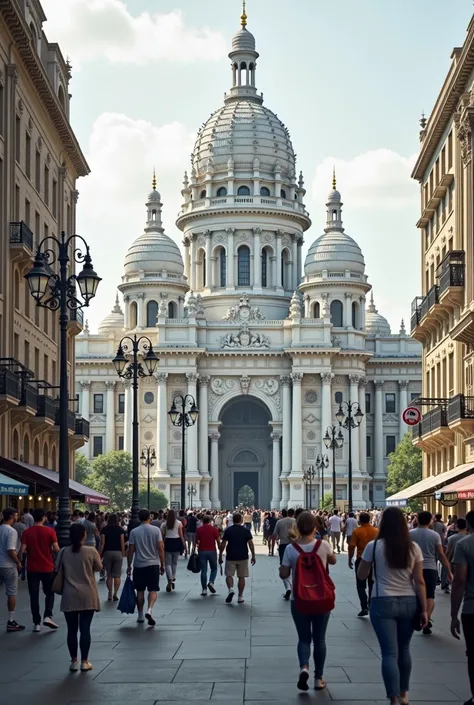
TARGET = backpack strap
x,y
307,553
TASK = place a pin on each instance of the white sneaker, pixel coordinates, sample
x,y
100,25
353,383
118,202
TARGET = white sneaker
x,y
240,600
74,666
37,628
140,619
204,593
48,622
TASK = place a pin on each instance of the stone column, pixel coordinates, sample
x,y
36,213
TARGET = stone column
x,y
193,283
85,408
162,424
286,442
348,310
209,282
297,423
257,260
298,262
294,255
126,311
378,430
203,431
141,322
110,417
191,431
186,258
277,277
326,408
127,420
362,428
215,500
230,261
403,397
354,398
276,485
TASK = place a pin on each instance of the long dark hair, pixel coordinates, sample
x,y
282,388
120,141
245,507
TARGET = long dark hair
x,y
112,520
398,545
171,519
77,533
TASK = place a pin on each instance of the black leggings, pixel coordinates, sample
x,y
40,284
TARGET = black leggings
x,y
79,621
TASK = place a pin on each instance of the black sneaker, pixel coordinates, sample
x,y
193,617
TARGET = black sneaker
x,y
287,595
427,630
150,620
303,680
211,588
14,627
230,597
469,702
363,613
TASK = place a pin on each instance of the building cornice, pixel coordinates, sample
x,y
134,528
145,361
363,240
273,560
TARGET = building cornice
x,y
15,22
220,213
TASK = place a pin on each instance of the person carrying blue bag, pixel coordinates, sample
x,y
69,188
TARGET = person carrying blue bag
x,y
128,598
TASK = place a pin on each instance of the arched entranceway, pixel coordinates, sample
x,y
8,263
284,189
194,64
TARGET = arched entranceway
x,y
245,452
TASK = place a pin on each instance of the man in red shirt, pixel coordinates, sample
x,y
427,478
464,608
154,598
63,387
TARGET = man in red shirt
x,y
207,540
40,542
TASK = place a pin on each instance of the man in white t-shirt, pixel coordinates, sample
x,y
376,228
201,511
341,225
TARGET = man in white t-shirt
x,y
351,524
335,522
229,519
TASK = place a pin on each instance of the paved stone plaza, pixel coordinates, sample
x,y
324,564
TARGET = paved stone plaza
x,y
203,649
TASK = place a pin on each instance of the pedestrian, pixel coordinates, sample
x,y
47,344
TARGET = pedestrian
x,y
282,531
20,527
172,532
146,552
91,529
247,519
460,533
272,522
335,523
310,627
112,553
256,521
463,589
350,524
77,564
208,538
397,565
28,520
191,532
50,520
360,537
40,542
10,565
236,542
432,549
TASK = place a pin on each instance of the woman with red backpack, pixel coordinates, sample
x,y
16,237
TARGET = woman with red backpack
x,y
313,596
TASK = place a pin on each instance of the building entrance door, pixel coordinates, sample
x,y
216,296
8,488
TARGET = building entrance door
x,y
246,488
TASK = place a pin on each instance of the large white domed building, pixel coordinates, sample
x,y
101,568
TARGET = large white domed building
x,y
268,348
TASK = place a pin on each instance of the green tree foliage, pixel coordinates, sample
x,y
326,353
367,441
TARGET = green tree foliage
x,y
83,468
327,501
111,474
157,499
404,468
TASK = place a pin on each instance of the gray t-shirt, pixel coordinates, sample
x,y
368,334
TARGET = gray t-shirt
x,y
8,542
428,540
464,555
90,535
145,538
282,529
452,542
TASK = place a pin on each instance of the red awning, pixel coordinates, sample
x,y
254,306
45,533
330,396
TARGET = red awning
x,y
463,488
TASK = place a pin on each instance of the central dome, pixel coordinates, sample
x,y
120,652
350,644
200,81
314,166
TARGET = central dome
x,y
242,131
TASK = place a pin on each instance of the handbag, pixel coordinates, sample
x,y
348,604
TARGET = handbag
x,y
128,598
58,581
416,621
194,563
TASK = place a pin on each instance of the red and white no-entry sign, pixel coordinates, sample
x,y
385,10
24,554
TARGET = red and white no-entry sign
x,y
411,416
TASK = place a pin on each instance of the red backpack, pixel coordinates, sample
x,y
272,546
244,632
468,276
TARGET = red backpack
x,y
313,590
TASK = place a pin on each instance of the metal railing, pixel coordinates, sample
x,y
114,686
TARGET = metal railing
x,y
451,271
47,408
82,427
20,234
9,384
29,396
460,407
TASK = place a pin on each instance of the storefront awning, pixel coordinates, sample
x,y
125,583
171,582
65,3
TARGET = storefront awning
x,y
11,487
428,485
462,489
48,480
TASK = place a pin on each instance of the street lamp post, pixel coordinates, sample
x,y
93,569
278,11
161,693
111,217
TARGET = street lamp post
x,y
147,457
349,416
59,292
128,366
183,413
192,492
322,462
333,440
308,477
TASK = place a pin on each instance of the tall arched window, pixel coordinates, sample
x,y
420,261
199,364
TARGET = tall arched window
x,y
285,262
133,315
201,269
282,193
243,266
264,191
316,310
151,314
243,191
222,267
203,265
45,455
53,459
222,191
355,315
172,310
36,453
26,449
16,445
264,267
203,193
336,313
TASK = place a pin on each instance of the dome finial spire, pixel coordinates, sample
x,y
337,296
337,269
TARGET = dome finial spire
x,y
243,16
371,307
153,181
334,178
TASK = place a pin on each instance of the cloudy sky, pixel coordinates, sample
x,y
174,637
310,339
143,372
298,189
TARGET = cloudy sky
x,y
349,79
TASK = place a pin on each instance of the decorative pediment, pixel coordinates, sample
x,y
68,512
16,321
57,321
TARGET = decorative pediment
x,y
244,339
243,311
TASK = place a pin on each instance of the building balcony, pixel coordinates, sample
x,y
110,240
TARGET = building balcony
x,y
434,431
71,419
461,415
10,390
82,428
21,241
76,321
46,410
438,194
426,313
451,278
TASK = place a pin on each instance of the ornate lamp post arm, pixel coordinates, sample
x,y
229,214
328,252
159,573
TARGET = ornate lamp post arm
x,y
349,416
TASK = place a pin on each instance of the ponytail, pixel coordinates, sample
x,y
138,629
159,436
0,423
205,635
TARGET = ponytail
x,y
77,533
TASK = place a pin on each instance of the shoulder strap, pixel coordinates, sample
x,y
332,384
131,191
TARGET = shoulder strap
x,y
375,570
298,548
316,547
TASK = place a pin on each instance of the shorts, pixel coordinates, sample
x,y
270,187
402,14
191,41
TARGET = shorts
x,y
112,563
431,577
147,578
241,567
9,578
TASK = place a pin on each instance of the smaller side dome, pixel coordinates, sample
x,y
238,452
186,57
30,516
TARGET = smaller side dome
x,y
114,321
375,323
243,40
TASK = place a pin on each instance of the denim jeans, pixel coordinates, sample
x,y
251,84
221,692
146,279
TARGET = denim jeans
x,y
311,628
204,558
392,619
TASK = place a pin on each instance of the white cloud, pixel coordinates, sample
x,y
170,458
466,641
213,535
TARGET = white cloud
x,y
122,153
92,29
381,207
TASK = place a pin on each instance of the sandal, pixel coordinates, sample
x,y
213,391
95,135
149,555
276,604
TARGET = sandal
x,y
319,684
